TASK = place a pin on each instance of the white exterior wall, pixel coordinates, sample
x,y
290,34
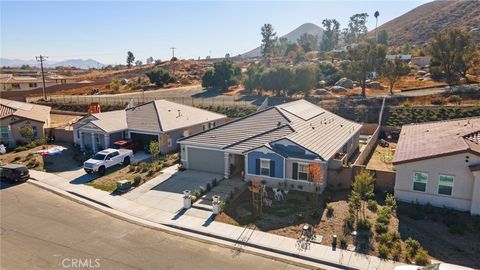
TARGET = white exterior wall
x,y
455,165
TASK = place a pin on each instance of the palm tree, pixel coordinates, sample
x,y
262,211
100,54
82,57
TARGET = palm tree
x,y
376,23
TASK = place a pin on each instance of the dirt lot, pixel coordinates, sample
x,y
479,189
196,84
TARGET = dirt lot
x,y
61,120
381,158
288,217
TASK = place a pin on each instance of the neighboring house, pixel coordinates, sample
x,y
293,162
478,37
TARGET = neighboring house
x,y
277,144
159,120
9,82
59,79
14,115
439,163
421,61
403,57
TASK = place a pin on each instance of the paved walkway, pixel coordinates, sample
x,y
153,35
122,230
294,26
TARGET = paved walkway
x,y
206,226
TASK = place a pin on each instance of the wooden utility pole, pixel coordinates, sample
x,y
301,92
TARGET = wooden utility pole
x,y
41,59
173,60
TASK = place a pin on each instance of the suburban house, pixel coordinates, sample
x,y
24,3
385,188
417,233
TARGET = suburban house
x,y
279,145
15,115
9,82
439,163
159,120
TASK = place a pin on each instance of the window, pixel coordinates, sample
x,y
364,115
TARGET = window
x,y
302,171
420,181
445,184
15,86
4,134
265,167
32,85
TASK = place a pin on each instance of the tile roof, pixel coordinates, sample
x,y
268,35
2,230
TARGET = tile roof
x,y
26,110
163,115
309,126
428,140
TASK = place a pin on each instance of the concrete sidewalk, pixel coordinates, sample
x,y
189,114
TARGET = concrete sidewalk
x,y
242,237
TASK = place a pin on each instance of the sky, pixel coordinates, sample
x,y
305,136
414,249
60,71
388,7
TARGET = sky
x,y
106,30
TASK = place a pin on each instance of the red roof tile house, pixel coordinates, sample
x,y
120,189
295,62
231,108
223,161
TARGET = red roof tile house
x,y
439,163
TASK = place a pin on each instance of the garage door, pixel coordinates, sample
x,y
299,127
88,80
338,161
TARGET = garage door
x,y
206,160
143,139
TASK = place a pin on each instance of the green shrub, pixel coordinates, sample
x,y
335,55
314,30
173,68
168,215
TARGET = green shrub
x,y
396,251
383,251
143,167
372,205
17,158
350,222
202,190
20,148
343,242
364,225
386,239
438,101
381,227
136,180
150,172
391,202
132,167
421,257
412,247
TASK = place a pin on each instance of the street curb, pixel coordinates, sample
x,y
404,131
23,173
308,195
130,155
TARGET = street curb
x,y
282,256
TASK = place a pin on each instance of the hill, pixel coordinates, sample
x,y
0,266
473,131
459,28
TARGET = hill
x,y
78,63
309,28
418,25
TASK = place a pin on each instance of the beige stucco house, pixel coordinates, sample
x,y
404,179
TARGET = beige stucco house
x,y
159,120
14,115
439,163
9,82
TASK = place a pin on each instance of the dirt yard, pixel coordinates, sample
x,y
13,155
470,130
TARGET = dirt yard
x,y
288,217
381,158
61,120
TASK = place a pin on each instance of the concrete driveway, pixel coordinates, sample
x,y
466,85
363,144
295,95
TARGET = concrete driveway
x,y
167,195
79,176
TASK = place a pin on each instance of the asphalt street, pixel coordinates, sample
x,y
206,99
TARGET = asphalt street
x,y
41,230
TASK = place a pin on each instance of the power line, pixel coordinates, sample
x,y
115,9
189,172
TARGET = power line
x,y
41,59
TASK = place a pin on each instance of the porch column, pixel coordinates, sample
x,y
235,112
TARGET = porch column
x,y
80,138
475,204
94,143
227,165
106,136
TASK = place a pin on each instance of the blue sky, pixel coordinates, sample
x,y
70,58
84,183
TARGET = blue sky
x,y
106,30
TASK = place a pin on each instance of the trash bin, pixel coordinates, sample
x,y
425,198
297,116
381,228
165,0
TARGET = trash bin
x,y
187,199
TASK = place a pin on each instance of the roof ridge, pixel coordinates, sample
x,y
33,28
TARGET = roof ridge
x,y
443,121
260,134
224,124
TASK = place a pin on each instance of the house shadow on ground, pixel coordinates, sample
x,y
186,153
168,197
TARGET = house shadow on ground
x,y
448,235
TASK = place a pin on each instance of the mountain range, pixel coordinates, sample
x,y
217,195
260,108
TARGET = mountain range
x,y
78,63
292,36
418,25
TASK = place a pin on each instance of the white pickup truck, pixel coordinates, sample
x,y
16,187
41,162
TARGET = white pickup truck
x,y
106,159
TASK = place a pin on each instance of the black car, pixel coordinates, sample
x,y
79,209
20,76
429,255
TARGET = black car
x,y
14,173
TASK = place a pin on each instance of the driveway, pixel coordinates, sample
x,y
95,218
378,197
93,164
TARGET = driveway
x,y
167,195
78,175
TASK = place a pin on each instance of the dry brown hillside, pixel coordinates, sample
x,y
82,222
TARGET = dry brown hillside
x,y
417,25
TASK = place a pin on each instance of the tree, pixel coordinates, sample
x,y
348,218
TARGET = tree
x,y
305,79
356,28
376,14
150,60
138,63
330,34
224,74
268,40
450,51
26,132
281,46
393,70
130,58
363,186
159,77
278,79
154,149
329,73
253,75
382,37
308,42
315,175
365,58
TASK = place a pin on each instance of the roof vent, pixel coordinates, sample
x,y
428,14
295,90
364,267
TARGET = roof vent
x,y
179,113
213,136
279,123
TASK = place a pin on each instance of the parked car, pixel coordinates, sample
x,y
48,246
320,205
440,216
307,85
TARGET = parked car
x,y
14,173
126,144
107,158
